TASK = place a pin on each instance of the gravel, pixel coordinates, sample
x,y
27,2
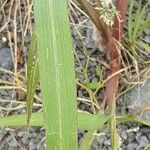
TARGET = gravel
x,y
130,139
132,146
21,139
137,98
6,60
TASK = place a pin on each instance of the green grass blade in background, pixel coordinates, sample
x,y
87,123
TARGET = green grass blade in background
x,y
138,19
87,121
90,122
87,140
32,75
96,121
145,24
38,120
131,118
56,66
144,45
130,22
21,120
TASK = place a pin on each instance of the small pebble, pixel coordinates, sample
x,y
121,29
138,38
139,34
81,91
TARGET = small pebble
x,y
6,60
101,139
13,143
147,39
138,137
32,145
144,141
41,147
124,135
107,142
132,146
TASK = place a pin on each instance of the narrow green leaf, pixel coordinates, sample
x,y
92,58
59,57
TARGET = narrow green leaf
x,y
56,66
138,19
87,140
90,122
37,119
131,118
98,71
145,24
32,76
130,22
96,121
143,45
21,120
93,85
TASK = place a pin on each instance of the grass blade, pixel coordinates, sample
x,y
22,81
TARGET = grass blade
x,y
131,118
56,68
32,76
143,45
96,121
87,140
37,119
130,22
145,25
138,19
21,120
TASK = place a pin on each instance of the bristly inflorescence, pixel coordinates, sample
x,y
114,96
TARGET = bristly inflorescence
x,y
108,11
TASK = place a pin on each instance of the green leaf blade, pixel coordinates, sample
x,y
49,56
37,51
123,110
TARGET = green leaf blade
x,y
87,121
57,73
138,19
145,24
144,45
32,76
21,120
130,22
